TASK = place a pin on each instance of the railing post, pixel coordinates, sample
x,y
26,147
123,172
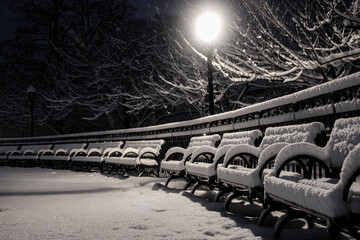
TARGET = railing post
x,y
210,82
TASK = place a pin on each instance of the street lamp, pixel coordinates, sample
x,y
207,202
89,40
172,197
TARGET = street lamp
x,y
208,27
31,91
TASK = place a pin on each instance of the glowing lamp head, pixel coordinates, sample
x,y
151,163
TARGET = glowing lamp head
x,y
208,26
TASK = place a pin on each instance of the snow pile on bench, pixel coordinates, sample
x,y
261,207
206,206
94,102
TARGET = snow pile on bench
x,y
208,170
324,196
62,152
171,165
29,152
95,152
132,151
275,139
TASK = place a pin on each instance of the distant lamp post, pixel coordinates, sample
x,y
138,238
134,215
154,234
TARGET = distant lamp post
x,y
31,94
208,27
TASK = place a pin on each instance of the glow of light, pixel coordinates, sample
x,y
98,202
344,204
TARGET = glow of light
x,y
208,26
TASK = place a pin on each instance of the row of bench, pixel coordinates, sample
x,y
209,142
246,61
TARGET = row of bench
x,y
140,156
288,170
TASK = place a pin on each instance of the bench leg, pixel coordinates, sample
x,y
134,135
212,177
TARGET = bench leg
x,y
156,173
332,228
281,222
264,214
68,165
110,168
249,197
291,215
196,185
237,193
169,179
229,198
102,167
220,194
256,193
188,184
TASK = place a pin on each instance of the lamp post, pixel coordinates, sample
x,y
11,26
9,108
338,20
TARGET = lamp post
x,y
208,27
31,91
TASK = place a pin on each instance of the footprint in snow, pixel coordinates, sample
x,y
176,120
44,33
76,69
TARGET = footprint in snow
x,y
158,210
228,226
139,227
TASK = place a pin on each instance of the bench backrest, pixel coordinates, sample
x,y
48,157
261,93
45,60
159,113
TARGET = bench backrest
x,y
344,137
204,140
35,148
292,134
95,145
69,146
5,149
156,144
246,137
112,144
104,145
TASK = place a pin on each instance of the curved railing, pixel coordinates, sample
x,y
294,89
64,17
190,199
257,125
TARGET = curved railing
x,y
324,103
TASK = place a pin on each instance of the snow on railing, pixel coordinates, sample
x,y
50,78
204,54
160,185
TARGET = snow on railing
x,y
325,102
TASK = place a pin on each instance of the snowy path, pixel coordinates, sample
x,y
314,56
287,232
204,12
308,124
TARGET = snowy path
x,y
59,204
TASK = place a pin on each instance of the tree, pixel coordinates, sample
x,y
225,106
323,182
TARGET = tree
x,y
48,31
305,41
97,67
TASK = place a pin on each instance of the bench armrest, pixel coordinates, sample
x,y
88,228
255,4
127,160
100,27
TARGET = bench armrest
x,y
174,150
28,152
13,152
41,152
202,150
76,152
268,156
149,150
73,152
130,150
61,151
220,154
238,150
110,151
303,149
188,153
94,150
350,171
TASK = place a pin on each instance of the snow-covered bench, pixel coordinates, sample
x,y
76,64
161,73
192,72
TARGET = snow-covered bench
x,y
136,155
28,153
329,198
5,151
204,172
94,154
242,180
176,157
61,153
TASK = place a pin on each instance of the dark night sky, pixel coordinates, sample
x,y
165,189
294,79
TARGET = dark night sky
x,y
146,8
6,28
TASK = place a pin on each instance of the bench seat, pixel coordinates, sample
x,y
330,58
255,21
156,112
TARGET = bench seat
x,y
128,161
249,178
140,156
176,168
331,197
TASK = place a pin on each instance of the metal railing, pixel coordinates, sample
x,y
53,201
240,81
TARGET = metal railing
x,y
325,103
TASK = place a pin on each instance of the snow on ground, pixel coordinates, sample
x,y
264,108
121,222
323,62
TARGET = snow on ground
x,y
40,203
